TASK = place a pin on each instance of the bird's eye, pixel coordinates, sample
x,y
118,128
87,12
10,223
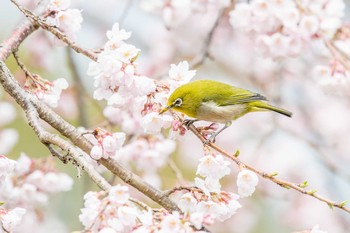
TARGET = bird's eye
x,y
178,102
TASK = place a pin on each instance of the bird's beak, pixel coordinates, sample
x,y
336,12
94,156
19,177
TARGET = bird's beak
x,y
165,109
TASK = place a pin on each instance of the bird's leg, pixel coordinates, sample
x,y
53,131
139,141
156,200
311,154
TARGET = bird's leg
x,y
188,122
213,136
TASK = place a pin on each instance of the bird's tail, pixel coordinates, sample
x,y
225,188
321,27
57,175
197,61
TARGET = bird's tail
x,y
262,106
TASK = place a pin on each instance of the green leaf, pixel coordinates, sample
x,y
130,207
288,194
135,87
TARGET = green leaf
x,y
273,174
343,203
304,184
311,192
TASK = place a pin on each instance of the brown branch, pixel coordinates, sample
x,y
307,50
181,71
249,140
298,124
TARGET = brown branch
x,y
207,42
12,43
24,99
60,35
272,177
45,113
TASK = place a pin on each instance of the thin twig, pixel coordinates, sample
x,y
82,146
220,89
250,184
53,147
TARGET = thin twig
x,y
207,42
337,54
271,177
23,98
80,91
60,35
175,169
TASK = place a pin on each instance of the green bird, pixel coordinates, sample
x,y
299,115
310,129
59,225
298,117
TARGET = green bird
x,y
218,102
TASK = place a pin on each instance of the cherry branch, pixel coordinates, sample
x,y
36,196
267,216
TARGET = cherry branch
x,y
39,22
54,120
272,176
24,99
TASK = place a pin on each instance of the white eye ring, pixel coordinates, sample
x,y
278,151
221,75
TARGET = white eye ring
x,y
178,102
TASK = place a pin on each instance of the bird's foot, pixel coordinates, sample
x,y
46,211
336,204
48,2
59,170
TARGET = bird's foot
x,y
188,122
210,139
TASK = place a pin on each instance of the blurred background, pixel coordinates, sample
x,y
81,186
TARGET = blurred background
x,y
312,146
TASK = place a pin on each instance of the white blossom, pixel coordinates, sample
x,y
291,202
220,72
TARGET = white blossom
x,y
8,139
8,113
171,223
187,202
153,122
246,182
12,218
215,167
181,73
119,194
7,166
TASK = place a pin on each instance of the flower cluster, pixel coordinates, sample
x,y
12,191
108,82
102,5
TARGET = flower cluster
x,y
8,137
105,143
133,100
246,182
285,28
32,181
207,202
147,155
44,90
65,19
10,219
113,212
333,78
24,186
175,12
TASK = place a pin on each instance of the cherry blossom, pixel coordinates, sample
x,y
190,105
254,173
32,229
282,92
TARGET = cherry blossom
x,y
8,113
10,219
105,144
65,19
181,73
246,182
7,166
278,25
59,4
45,90
215,167
119,194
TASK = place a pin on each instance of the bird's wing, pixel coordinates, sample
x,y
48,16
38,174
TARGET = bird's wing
x,y
242,98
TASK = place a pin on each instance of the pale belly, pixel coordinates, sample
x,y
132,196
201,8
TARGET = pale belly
x,y
210,111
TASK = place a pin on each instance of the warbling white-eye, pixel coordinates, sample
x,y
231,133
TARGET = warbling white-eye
x,y
214,101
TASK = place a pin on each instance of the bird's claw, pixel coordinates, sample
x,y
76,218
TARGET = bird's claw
x,y
188,122
210,139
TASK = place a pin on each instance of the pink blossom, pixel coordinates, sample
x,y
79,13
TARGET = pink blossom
x,y
119,194
105,143
12,218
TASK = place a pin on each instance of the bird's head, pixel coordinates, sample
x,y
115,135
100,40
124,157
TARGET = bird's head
x,y
183,99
